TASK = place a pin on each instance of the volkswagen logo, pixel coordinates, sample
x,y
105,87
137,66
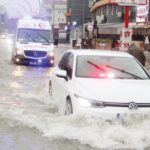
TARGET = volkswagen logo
x,y
133,106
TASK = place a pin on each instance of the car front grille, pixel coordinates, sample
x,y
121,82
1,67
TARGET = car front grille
x,y
113,104
36,54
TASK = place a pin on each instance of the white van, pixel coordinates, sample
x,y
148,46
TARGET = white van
x,y
34,43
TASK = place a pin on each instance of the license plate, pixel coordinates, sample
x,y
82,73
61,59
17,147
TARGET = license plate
x,y
33,63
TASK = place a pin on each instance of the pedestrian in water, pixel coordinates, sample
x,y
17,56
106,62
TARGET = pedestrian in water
x,y
137,53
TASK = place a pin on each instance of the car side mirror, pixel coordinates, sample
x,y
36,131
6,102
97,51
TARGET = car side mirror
x,y
62,74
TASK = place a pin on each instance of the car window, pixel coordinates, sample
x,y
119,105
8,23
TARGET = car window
x,y
109,67
63,61
66,63
69,65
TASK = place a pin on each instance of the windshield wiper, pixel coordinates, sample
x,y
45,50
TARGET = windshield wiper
x,y
96,66
45,43
124,71
24,42
43,38
30,37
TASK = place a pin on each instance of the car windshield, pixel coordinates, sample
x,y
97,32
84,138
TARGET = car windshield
x,y
109,67
34,35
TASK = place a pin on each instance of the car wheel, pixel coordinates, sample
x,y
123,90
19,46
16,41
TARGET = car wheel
x,y
69,109
50,88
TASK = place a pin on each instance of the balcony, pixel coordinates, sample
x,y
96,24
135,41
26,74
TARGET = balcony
x,y
98,3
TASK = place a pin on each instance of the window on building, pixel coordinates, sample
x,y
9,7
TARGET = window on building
x,y
59,11
120,8
114,9
110,10
104,10
107,9
99,11
133,14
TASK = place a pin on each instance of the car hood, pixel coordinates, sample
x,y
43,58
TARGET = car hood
x,y
35,46
114,90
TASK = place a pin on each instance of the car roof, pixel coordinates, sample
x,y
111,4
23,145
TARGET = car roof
x,y
99,52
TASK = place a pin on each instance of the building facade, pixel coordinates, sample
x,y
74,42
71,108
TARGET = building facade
x,y
77,11
106,12
110,16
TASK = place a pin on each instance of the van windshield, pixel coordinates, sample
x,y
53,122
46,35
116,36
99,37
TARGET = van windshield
x,y
34,35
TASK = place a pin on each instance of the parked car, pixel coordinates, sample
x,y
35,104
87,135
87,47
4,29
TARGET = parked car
x,y
100,81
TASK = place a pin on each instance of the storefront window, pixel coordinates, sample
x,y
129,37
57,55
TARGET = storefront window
x,y
110,9
138,34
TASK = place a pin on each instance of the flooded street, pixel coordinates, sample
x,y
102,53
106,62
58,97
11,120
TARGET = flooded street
x,y
29,118
26,110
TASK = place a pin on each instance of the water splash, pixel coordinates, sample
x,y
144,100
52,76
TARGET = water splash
x,y
21,8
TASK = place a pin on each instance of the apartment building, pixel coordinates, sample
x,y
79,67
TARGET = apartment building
x,y
55,10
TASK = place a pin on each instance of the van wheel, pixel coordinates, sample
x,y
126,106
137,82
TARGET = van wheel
x,y
68,110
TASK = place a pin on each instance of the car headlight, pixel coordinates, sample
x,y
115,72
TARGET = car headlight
x,y
19,51
51,53
88,102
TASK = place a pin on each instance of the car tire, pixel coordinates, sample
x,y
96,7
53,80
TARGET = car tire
x,y
69,109
50,88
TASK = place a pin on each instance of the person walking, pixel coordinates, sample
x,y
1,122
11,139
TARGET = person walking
x,y
146,43
137,53
113,45
56,40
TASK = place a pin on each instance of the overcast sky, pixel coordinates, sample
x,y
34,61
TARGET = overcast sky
x,y
21,8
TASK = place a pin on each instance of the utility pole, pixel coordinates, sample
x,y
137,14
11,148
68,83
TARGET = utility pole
x,y
126,16
53,11
83,16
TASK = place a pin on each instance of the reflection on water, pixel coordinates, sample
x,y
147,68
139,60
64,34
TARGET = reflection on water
x,y
18,72
31,71
15,84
